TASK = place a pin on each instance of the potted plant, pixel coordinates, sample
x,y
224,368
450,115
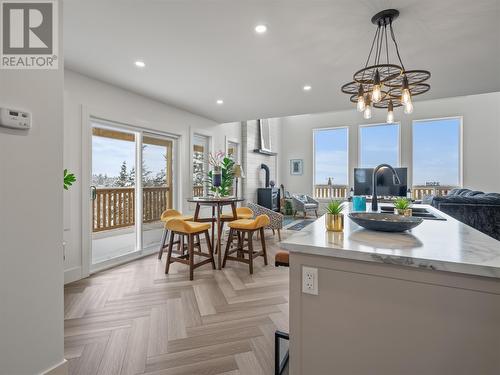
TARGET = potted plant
x,y
220,179
69,179
334,219
402,206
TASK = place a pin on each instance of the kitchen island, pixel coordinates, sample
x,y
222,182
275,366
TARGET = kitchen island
x,y
425,301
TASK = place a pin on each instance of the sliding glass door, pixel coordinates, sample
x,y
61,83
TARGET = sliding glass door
x,y
132,177
157,189
113,193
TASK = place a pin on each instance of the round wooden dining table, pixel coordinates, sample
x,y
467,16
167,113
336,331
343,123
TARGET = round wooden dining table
x,y
217,204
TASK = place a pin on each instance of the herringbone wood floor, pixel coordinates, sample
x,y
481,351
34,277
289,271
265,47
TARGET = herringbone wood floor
x,y
134,319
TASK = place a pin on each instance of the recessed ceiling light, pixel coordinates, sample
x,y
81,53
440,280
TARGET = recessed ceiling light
x,y
307,88
260,29
220,101
140,64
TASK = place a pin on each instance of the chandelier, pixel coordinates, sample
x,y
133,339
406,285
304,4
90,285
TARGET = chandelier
x,y
385,85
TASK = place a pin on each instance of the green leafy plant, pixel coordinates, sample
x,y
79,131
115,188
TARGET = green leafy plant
x,y
69,179
402,203
224,189
335,207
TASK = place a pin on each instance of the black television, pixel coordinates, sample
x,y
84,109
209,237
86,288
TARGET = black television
x,y
385,182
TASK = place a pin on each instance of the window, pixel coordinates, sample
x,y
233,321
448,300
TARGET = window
x,y
200,164
437,152
330,162
378,144
232,151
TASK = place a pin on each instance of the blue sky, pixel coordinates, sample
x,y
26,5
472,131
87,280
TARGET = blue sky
x,y
379,144
108,154
435,151
331,156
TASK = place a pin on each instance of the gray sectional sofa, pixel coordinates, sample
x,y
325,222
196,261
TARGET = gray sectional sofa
x,y
475,208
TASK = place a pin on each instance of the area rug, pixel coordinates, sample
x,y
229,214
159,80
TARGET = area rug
x,y
300,225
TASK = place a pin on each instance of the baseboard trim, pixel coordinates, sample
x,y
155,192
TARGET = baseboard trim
x,y
60,369
72,274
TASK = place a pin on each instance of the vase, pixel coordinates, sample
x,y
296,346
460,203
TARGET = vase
x,y
334,222
359,203
217,180
403,212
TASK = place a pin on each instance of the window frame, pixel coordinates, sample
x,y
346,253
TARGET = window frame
x,y
208,138
90,119
460,145
361,126
317,130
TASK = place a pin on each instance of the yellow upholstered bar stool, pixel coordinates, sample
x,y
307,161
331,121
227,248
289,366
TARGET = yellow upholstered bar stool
x,y
241,213
165,217
192,230
246,227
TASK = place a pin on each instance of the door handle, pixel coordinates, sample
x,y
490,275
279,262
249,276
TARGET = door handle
x,y
93,192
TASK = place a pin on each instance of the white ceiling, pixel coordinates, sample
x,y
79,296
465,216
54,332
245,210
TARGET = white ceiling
x,y
199,51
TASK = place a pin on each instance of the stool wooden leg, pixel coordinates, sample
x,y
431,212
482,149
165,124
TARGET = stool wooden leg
x,y
250,251
221,229
241,241
198,243
228,246
162,242
182,244
191,256
279,235
210,248
169,251
263,242
213,230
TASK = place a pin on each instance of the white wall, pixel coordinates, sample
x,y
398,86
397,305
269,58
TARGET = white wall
x,y
255,175
115,104
31,194
481,138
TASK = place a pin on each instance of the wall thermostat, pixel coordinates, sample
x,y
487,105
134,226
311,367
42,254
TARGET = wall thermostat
x,y
12,118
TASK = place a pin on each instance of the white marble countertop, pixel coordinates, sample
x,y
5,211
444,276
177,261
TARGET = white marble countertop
x,y
449,245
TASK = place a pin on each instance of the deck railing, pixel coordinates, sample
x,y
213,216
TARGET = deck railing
x,y
419,191
198,191
330,191
340,191
115,207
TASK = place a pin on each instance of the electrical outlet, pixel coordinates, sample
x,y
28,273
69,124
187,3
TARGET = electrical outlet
x,y
310,280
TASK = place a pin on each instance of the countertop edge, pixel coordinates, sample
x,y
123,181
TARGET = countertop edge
x,y
405,261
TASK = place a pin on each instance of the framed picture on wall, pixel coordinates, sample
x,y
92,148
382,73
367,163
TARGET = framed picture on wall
x,y
296,166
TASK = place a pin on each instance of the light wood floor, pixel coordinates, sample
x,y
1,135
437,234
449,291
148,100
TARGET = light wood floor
x,y
134,319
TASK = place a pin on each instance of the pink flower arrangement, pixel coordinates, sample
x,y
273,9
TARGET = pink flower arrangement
x,y
215,159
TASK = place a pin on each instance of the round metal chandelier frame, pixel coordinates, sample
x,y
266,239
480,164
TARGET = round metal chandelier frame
x,y
382,84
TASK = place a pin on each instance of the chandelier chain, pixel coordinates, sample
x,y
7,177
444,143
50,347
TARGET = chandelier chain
x,y
371,50
386,47
396,45
381,45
